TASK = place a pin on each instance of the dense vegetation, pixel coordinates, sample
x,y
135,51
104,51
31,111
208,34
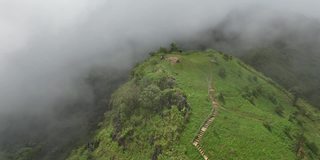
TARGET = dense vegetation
x,y
158,112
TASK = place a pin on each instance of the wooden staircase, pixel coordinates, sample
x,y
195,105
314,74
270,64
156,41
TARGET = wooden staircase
x,y
206,124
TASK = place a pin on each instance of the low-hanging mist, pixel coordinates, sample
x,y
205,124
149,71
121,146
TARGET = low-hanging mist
x,y
56,56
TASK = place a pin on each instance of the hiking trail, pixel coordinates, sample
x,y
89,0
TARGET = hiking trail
x,y
206,124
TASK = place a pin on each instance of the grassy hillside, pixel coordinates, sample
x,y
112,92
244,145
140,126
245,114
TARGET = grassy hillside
x,y
159,111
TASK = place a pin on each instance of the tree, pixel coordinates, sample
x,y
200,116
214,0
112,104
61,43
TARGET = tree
x,y
150,97
174,47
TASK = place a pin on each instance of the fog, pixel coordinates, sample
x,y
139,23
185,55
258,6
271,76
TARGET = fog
x,y
48,48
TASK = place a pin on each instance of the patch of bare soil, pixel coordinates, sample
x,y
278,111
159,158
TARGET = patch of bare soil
x,y
173,59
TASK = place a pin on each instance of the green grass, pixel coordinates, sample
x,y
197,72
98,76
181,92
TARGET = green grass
x,y
257,120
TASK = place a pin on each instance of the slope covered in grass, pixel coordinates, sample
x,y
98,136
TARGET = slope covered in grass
x,y
159,111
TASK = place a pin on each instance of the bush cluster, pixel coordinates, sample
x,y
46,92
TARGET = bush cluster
x,y
251,93
268,126
222,73
279,110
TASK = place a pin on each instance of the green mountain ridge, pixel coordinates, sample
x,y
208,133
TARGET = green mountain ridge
x,y
160,110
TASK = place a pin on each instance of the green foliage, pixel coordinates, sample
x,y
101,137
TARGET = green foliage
x,y
255,78
279,110
150,98
227,57
249,95
174,47
222,73
287,131
273,99
268,126
221,98
152,53
171,97
126,98
313,147
166,82
163,50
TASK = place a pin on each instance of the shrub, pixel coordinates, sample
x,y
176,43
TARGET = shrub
x,y
301,111
287,132
157,151
227,57
249,95
310,116
259,89
279,110
292,117
163,50
313,147
300,122
221,98
222,73
255,93
272,98
239,74
170,97
251,100
166,82
150,98
125,99
117,126
154,62
152,53
174,47
255,79
268,126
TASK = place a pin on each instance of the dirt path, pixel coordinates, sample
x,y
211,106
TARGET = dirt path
x,y
206,124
